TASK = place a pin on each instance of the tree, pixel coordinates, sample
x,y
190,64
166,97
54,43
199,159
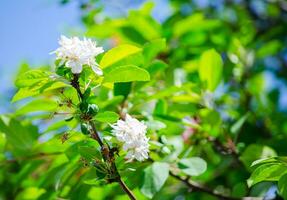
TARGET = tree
x,y
173,109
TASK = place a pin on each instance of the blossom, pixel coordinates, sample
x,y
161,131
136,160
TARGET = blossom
x,y
132,133
76,53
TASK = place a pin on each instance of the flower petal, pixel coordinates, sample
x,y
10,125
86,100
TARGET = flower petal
x,y
97,70
75,67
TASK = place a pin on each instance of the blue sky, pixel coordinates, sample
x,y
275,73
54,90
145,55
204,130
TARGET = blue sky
x,y
30,29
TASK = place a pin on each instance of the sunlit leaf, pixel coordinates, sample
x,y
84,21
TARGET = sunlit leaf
x,y
38,105
107,116
282,186
36,90
118,54
210,69
127,73
31,77
153,48
254,152
267,172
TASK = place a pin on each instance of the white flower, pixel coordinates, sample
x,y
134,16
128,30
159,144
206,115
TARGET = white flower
x,y
76,53
132,133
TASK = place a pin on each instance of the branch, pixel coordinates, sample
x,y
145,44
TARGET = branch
x,y
126,189
197,187
75,83
200,188
95,134
226,150
106,152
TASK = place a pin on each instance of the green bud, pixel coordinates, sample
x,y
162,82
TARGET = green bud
x,y
93,109
85,128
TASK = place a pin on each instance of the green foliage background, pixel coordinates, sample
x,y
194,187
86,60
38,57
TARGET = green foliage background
x,y
198,79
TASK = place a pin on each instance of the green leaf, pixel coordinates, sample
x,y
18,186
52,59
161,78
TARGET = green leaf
x,y
60,124
127,73
195,22
211,121
19,135
154,178
169,91
269,48
89,153
156,66
267,172
37,105
117,54
235,128
31,77
145,25
30,193
192,166
254,152
132,35
111,102
122,89
2,143
161,107
24,67
151,49
210,69
270,160
282,186
239,190
37,89
107,116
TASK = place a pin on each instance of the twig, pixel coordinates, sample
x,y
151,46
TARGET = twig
x,y
75,83
106,152
226,150
95,134
126,189
197,187
200,188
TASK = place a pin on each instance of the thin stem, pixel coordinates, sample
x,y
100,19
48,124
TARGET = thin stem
x,y
106,152
95,134
126,189
200,188
75,83
225,150
197,187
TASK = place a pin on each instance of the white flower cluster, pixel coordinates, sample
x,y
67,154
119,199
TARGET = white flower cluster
x,y
133,135
76,53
